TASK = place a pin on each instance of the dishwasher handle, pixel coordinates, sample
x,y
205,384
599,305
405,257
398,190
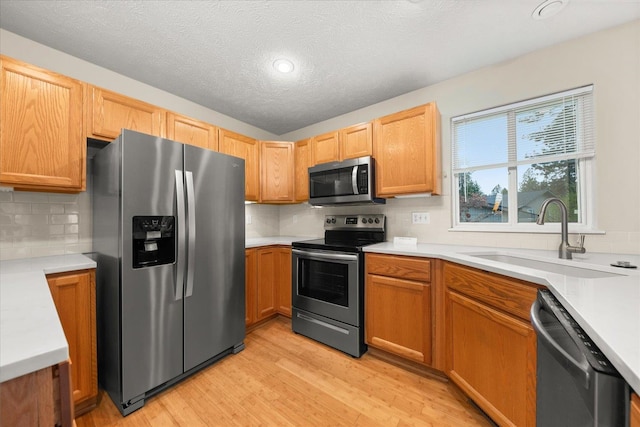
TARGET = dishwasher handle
x,y
580,371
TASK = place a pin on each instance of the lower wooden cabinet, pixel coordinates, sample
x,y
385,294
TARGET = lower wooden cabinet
x,y
268,282
398,306
635,411
251,283
491,346
40,398
283,282
74,296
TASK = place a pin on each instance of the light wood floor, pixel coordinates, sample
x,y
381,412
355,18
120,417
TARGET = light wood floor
x,y
284,379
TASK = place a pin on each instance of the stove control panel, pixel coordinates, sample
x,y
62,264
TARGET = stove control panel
x,y
355,222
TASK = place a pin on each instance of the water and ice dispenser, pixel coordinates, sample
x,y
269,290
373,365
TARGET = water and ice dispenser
x,y
153,241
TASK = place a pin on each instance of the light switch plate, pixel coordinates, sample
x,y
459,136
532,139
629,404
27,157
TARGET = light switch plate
x,y
420,217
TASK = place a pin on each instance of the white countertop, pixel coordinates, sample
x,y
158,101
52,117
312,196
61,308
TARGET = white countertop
x,y
608,309
255,242
31,336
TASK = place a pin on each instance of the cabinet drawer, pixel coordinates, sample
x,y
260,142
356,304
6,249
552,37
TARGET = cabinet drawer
x,y
404,267
506,294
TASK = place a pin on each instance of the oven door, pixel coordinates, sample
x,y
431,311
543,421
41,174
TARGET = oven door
x,y
327,283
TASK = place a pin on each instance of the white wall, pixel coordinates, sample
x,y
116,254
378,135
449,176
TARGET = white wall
x,y
609,59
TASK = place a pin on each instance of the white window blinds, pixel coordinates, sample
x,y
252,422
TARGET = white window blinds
x,y
546,129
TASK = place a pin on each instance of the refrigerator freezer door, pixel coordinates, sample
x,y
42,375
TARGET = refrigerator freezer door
x,y
151,340
214,311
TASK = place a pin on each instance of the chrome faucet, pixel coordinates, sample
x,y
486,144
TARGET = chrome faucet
x,y
565,250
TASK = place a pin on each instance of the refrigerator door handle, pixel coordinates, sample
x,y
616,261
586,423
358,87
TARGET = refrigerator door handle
x,y
181,236
191,214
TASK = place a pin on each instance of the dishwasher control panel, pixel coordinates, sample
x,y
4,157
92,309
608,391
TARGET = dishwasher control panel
x,y
595,357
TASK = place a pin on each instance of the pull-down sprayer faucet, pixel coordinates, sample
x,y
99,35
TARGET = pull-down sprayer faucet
x,y
565,249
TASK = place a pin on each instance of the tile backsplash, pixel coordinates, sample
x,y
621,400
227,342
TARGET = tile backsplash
x,y
40,224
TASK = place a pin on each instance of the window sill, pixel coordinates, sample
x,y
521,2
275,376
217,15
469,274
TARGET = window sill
x,y
531,229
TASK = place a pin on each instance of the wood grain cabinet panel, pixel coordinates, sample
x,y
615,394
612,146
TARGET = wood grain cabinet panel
x,y
283,289
491,352
398,315
635,411
245,148
41,142
191,131
406,146
107,113
302,160
325,148
266,289
268,281
74,297
276,172
356,141
251,276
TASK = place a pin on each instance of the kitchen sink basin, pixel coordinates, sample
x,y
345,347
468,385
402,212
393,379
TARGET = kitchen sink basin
x,y
551,267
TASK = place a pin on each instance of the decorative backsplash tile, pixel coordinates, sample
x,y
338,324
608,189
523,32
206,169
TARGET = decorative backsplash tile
x,y
42,224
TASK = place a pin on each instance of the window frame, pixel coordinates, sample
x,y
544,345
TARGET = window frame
x,y
585,178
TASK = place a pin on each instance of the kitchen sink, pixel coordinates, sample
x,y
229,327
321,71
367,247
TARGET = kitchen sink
x,y
551,267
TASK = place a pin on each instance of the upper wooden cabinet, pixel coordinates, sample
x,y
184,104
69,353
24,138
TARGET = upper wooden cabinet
x,y
41,142
276,172
406,146
246,148
191,131
356,141
325,148
74,296
108,112
302,160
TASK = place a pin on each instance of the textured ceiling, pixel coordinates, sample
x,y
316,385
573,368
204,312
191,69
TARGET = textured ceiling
x,y
347,54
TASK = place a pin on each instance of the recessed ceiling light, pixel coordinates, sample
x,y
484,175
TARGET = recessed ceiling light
x,y
548,9
283,65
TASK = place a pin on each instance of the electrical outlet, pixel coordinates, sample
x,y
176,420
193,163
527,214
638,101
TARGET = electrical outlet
x,y
420,217
247,219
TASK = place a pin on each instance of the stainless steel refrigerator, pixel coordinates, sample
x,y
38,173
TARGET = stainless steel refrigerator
x,y
168,224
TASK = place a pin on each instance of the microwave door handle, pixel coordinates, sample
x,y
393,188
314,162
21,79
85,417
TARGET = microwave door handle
x,y
354,180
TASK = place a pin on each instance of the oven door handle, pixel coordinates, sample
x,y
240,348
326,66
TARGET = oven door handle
x,y
324,257
354,180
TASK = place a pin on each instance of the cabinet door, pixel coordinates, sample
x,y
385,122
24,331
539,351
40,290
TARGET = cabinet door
x,y
74,297
109,112
398,316
302,158
266,289
251,283
41,141
406,148
635,411
276,177
283,294
246,148
193,132
325,148
492,358
356,141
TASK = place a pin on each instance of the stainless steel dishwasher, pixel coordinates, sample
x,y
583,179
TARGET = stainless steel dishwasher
x,y
576,384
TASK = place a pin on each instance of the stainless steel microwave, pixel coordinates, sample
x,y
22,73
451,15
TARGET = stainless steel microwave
x,y
350,182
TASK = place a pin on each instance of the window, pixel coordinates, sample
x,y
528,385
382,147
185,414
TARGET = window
x,y
507,160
